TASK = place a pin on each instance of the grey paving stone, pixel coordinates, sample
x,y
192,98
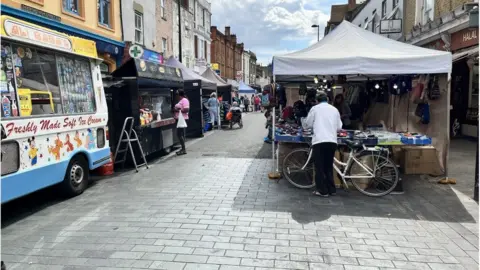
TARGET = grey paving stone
x,y
167,265
355,253
324,266
375,262
197,266
291,264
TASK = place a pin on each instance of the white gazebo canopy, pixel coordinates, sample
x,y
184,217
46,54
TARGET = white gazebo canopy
x,y
349,49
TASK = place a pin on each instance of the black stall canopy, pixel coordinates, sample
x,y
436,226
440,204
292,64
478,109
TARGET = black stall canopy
x,y
149,74
123,91
195,87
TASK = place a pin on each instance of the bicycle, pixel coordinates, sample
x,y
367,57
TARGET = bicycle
x,y
373,179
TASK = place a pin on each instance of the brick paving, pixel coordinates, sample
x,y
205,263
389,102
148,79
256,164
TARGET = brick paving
x,y
215,209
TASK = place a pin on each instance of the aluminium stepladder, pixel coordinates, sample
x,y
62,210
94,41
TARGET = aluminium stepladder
x,y
128,136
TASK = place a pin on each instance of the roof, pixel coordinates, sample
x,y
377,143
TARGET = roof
x,y
190,75
349,49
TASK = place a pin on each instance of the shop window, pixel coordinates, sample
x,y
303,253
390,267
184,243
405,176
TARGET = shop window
x,y
138,27
384,8
105,13
154,107
164,47
427,11
72,7
36,81
76,84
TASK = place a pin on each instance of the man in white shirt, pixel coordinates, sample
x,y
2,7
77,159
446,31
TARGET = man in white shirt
x,y
325,121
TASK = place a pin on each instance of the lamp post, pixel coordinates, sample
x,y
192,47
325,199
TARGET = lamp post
x,y
179,31
318,31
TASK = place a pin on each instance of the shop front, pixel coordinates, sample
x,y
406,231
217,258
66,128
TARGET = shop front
x,y
109,50
464,84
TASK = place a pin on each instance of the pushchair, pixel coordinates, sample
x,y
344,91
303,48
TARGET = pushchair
x,y
236,119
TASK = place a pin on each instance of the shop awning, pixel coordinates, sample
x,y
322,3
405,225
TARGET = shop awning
x,y
465,53
190,75
245,89
351,50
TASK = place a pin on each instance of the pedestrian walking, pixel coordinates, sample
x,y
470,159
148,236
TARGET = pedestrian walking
x,y
257,103
213,105
246,101
181,115
325,121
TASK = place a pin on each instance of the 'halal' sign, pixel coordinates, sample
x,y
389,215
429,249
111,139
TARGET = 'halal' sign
x,y
135,51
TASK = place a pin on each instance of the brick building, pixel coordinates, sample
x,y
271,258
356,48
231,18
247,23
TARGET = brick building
x,y
451,25
226,52
164,29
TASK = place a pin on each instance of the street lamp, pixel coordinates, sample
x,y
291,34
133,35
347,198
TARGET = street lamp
x,y
318,31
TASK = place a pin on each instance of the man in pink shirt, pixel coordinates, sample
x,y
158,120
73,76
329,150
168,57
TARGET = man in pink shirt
x,y
183,106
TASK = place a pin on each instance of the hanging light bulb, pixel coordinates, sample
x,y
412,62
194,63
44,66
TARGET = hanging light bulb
x,y
377,86
395,86
315,79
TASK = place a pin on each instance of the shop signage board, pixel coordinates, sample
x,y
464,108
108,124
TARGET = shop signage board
x,y
464,38
34,34
40,12
152,56
391,26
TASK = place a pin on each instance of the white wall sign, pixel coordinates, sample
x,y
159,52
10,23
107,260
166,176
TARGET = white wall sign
x,y
390,26
135,51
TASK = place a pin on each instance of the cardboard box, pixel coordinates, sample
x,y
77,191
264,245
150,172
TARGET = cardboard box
x,y
420,160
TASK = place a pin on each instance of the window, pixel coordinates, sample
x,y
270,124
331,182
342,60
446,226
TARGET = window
x,y
205,49
427,11
162,8
384,8
195,44
104,13
44,82
138,27
159,106
72,6
164,47
374,14
203,17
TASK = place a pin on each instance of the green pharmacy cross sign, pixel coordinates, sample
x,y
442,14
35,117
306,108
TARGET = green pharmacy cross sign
x,y
135,51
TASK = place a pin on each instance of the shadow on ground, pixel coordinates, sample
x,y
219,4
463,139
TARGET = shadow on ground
x,y
422,200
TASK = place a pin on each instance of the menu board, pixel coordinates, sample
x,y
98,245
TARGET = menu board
x,y
7,80
152,70
76,84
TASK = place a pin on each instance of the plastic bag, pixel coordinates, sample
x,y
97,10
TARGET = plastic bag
x,y
181,121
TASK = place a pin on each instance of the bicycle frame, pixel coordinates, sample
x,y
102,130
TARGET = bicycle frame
x,y
345,166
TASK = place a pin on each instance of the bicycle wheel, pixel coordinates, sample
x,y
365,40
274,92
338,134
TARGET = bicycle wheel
x,y
292,168
385,172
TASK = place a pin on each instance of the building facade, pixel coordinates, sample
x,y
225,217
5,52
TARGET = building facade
x,y
201,32
71,17
140,14
370,14
344,11
164,28
246,67
226,53
187,28
253,68
451,25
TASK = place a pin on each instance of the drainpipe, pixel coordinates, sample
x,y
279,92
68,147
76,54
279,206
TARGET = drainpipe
x,y
121,29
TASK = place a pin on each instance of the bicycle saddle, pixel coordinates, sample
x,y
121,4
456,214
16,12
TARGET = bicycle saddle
x,y
353,144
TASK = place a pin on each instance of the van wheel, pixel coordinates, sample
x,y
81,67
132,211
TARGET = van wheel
x,y
76,177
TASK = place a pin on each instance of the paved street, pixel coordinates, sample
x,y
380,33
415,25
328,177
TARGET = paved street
x,y
215,208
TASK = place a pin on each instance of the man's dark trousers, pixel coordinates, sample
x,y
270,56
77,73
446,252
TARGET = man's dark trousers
x,y
323,154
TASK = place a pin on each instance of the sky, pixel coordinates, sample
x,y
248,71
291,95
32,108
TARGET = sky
x,y
272,27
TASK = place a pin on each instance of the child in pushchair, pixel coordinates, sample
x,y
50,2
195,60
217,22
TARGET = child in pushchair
x,y
236,115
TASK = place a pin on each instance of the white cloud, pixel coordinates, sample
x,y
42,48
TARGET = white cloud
x,y
270,27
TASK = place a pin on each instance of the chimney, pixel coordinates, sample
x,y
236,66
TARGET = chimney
x,y
352,4
227,30
234,39
213,32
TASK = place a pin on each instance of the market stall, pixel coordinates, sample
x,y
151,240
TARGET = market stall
x,y
145,91
393,73
196,88
224,94
244,89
